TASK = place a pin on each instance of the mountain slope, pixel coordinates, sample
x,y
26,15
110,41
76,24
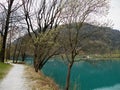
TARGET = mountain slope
x,y
100,38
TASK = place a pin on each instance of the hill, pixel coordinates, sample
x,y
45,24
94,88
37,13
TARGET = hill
x,y
97,39
102,39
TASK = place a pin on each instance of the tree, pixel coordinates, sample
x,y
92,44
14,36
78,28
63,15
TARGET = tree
x,y
74,14
25,47
46,17
17,44
10,3
47,46
0,44
7,11
12,35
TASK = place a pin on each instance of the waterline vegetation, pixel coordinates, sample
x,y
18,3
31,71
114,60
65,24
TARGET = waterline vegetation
x,y
38,81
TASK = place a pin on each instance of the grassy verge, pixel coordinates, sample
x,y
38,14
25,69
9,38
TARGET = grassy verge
x,y
38,81
4,68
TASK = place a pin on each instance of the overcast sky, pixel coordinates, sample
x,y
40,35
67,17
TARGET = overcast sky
x,y
114,13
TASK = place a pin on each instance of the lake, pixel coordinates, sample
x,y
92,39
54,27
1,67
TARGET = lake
x,y
100,75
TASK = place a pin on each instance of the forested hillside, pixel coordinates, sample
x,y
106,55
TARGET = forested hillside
x,y
95,40
100,39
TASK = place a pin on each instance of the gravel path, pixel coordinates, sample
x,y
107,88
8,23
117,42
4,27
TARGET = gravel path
x,y
15,79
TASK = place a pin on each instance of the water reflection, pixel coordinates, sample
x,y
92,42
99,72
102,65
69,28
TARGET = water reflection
x,y
114,87
85,75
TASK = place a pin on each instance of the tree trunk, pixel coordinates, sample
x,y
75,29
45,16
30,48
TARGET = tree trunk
x,y
36,65
2,57
23,57
35,59
14,55
9,48
36,68
18,53
6,31
68,76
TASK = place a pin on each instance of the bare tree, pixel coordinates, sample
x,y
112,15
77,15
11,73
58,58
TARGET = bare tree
x,y
46,16
74,15
8,10
10,3
12,35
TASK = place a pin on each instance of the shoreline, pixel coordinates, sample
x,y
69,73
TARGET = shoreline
x,y
38,81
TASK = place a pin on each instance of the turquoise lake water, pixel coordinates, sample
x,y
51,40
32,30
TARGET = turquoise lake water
x,y
100,75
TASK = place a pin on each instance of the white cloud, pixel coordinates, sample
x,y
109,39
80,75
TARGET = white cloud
x,y
114,13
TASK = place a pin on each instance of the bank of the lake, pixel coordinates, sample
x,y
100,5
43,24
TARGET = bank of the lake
x,y
4,69
105,56
38,81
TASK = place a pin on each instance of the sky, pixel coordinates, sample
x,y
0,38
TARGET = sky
x,y
114,13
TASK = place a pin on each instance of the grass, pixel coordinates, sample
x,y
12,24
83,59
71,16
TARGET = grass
x,y
4,69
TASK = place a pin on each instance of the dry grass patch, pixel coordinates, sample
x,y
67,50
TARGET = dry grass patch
x,y
37,81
